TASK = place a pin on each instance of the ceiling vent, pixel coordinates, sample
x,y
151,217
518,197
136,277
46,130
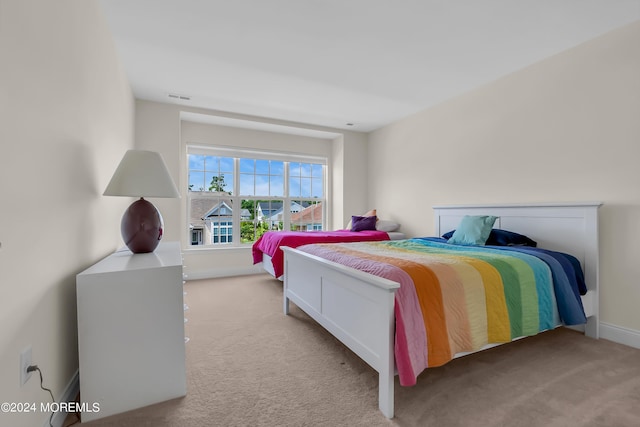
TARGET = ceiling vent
x,y
180,97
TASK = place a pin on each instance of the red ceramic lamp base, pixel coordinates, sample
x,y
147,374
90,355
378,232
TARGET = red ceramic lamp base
x,y
142,227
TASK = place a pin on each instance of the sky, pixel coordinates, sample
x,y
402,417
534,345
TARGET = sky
x,y
257,177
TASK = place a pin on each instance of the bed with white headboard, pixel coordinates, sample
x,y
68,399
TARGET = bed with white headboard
x,y
358,308
570,228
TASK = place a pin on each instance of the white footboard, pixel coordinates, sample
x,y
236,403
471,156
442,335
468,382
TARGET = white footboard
x,y
355,307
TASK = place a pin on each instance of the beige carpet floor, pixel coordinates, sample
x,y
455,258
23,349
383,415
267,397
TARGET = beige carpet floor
x,y
249,365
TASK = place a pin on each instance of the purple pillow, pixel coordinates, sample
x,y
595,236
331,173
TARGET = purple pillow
x,y
362,223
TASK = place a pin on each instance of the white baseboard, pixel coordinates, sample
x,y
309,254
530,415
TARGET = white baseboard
x,y
620,335
222,272
69,395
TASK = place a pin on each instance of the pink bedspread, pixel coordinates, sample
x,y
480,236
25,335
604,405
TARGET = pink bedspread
x,y
271,241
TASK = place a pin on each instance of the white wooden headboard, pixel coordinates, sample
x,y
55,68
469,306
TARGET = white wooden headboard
x,y
565,227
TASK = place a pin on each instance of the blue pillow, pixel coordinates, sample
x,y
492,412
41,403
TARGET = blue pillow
x,y
361,223
473,230
499,237
509,238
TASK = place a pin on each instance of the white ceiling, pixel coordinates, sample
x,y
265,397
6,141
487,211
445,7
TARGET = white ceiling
x,y
334,62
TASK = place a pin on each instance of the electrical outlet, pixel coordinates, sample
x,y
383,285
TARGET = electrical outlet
x,y
25,362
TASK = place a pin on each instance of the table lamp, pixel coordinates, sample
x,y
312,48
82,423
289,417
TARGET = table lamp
x,y
142,174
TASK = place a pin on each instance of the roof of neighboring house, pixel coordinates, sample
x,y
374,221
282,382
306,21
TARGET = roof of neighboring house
x,y
202,204
276,205
270,206
309,215
222,208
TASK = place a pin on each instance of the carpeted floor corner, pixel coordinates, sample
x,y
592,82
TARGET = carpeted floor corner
x,y
249,365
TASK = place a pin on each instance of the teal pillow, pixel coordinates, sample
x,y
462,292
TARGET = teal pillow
x,y
473,230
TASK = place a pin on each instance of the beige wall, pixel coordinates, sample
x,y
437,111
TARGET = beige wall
x,y
66,113
354,180
564,129
159,128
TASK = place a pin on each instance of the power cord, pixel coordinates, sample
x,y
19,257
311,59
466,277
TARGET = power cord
x,y
32,368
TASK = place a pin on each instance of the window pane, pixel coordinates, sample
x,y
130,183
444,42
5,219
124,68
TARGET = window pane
x,y
305,187
247,166
317,188
257,223
247,185
226,164
306,216
250,228
262,185
276,178
294,187
301,183
277,167
212,163
247,231
219,182
208,176
205,173
276,184
206,214
294,169
196,162
300,169
227,182
262,166
271,214
196,181
305,169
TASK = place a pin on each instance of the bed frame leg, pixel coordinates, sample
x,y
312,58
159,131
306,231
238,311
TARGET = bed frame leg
x,y
285,306
592,328
385,393
285,299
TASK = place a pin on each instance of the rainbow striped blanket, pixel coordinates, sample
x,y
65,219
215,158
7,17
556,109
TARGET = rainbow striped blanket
x,y
460,298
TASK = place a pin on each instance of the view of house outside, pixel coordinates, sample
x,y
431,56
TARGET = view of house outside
x,y
215,211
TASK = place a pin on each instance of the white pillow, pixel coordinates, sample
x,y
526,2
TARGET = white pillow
x,y
388,226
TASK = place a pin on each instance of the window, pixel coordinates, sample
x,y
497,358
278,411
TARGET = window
x,y
236,195
196,236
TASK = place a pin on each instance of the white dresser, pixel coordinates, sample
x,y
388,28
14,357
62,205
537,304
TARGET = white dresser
x,y
131,339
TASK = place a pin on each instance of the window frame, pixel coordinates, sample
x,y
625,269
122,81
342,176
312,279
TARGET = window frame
x,y
237,153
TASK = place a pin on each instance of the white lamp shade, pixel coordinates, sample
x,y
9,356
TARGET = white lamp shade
x,y
142,174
